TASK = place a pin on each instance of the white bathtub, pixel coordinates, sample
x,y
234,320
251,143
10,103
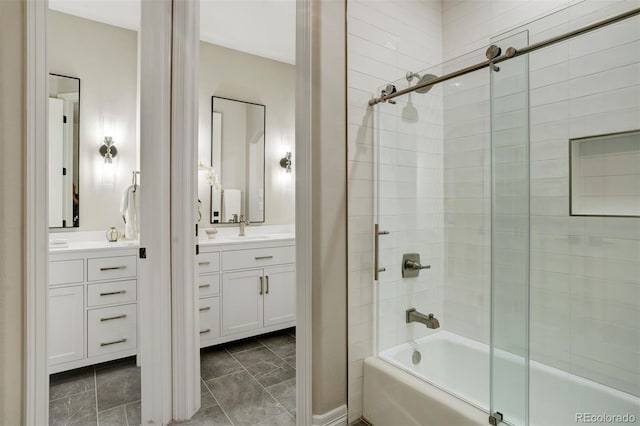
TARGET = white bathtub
x,y
398,393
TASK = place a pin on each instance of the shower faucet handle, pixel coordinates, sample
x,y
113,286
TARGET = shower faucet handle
x,y
411,265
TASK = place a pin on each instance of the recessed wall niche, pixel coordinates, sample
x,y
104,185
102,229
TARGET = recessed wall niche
x,y
605,175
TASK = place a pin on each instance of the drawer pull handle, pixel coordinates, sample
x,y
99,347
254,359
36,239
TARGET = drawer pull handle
x,y
206,308
112,268
261,286
208,330
267,277
113,318
204,263
204,285
111,293
115,342
263,257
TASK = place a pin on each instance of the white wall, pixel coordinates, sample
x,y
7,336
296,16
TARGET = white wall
x,y
104,57
236,75
385,39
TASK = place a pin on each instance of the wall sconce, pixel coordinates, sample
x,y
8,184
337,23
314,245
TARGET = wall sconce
x,y
286,162
108,151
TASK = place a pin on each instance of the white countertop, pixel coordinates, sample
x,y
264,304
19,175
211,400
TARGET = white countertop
x,y
81,241
234,240
73,246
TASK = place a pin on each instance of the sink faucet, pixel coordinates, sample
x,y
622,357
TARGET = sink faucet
x,y
414,316
243,222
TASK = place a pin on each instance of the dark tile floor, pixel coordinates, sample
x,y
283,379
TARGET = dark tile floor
x,y
105,394
244,383
249,382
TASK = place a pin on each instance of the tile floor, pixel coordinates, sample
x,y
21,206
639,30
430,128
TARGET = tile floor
x,y
108,394
248,382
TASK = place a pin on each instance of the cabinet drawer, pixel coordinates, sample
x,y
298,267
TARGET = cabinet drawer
x,y
209,318
111,293
66,272
110,268
111,330
208,285
256,258
208,262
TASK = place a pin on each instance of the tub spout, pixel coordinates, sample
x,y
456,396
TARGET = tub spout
x,y
429,320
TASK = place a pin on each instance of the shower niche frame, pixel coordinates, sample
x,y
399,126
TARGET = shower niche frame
x,y
600,165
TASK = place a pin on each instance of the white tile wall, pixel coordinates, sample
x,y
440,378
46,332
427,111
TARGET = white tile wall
x,y
386,39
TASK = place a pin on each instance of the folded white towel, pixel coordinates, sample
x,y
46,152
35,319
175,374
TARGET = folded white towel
x,y
130,211
231,204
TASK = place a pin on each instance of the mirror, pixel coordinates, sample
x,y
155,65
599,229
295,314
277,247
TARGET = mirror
x,y
235,170
64,139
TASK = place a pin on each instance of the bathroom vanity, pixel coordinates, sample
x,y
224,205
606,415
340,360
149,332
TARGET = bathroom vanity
x,y
93,293
247,286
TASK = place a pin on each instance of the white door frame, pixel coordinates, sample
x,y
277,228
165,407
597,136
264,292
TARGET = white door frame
x,y
154,277
184,178
155,272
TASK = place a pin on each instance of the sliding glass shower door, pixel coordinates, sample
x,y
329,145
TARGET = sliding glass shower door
x,y
518,184
510,234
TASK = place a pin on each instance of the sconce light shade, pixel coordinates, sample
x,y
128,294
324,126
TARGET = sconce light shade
x,y
286,162
108,150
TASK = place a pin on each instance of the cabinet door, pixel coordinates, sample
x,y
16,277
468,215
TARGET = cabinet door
x,y
242,301
279,295
66,324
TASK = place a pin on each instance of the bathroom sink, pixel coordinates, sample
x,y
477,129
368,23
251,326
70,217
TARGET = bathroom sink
x,y
246,237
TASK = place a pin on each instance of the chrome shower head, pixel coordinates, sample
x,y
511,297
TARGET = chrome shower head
x,y
425,79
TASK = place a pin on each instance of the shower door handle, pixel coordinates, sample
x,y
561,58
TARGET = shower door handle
x,y
376,233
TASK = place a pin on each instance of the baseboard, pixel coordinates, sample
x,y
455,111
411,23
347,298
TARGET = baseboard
x,y
335,417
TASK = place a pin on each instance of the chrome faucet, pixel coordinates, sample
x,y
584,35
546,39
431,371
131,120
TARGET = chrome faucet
x,y
243,222
414,316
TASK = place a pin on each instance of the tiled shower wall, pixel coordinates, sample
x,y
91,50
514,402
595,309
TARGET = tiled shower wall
x,y
385,40
585,271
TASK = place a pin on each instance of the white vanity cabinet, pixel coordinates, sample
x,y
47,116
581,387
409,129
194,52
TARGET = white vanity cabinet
x,y
250,291
66,324
92,306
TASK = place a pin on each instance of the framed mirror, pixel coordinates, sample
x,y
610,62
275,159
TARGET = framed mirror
x,y
235,171
64,142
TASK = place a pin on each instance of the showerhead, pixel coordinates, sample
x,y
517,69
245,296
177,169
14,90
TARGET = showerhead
x,y
425,79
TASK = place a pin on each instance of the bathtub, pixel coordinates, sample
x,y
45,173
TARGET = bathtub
x,y
450,386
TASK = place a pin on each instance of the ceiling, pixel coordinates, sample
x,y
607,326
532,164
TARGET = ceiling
x,y
265,28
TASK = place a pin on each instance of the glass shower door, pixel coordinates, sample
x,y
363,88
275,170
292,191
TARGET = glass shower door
x,y
509,350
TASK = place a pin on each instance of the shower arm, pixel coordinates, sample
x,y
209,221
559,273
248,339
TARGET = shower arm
x,y
511,52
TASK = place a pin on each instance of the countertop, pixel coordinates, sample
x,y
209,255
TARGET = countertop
x,y
222,241
85,246
235,240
